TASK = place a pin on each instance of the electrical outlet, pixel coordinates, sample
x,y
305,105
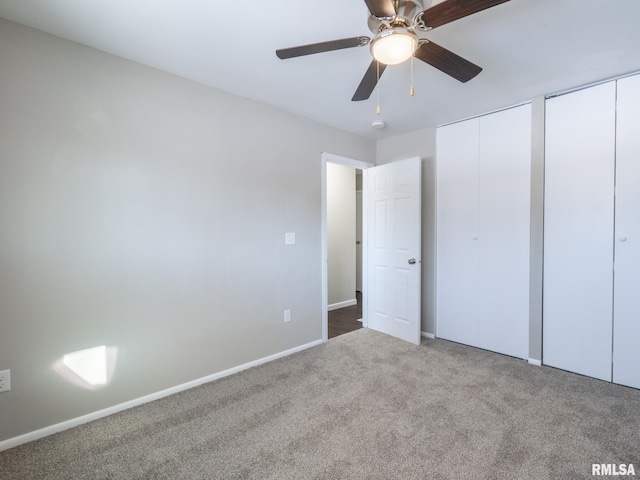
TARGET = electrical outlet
x,y
5,380
287,315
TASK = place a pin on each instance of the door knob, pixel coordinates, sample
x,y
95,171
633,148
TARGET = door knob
x,y
623,238
357,242
412,261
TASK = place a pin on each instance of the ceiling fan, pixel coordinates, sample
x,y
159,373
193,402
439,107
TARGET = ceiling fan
x,y
396,25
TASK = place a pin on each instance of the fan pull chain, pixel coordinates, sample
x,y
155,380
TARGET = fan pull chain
x,y
411,89
378,87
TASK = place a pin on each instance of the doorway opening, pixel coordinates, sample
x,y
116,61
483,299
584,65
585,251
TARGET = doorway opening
x,y
343,255
344,249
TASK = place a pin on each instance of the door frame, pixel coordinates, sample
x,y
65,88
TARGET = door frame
x,y
325,158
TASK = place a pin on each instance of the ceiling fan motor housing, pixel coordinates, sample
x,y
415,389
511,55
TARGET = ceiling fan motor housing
x,y
406,13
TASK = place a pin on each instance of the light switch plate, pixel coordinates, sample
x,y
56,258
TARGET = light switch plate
x,y
290,238
5,380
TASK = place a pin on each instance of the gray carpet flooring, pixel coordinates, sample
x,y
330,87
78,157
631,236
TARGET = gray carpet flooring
x,y
362,406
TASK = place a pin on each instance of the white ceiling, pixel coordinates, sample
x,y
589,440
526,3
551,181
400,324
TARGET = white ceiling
x,y
526,47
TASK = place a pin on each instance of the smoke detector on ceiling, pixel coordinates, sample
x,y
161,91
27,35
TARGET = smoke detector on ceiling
x,y
378,124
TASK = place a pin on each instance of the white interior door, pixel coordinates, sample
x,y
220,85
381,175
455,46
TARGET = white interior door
x,y
393,246
359,241
626,355
578,231
457,232
504,213
483,211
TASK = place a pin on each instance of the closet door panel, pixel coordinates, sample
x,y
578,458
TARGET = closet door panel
x,y
504,218
578,240
626,341
457,231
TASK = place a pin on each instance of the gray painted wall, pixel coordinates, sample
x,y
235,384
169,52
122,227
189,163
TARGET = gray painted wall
x,y
145,212
421,143
341,233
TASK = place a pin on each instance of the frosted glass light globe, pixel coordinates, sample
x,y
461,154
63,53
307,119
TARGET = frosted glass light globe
x,y
394,46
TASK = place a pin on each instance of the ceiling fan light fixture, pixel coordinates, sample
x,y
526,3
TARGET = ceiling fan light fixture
x,y
394,46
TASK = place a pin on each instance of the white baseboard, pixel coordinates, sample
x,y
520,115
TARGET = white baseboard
x,y
74,422
346,303
427,335
535,362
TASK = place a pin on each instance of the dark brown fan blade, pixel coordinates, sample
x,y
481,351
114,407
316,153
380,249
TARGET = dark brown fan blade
x,y
369,82
447,62
381,8
451,10
322,47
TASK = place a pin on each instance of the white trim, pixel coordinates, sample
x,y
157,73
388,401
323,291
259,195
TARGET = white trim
x,y
485,114
533,361
324,301
330,157
324,158
427,335
346,303
593,84
74,422
364,295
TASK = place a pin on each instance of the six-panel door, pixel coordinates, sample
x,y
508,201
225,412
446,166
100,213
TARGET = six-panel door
x,y
393,246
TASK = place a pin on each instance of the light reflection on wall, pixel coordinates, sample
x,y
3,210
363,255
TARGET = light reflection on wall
x,y
91,368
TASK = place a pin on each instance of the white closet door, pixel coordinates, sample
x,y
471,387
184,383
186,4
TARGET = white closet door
x,y
578,240
626,341
504,219
457,232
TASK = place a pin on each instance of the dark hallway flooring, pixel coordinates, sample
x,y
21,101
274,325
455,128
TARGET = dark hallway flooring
x,y
345,320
